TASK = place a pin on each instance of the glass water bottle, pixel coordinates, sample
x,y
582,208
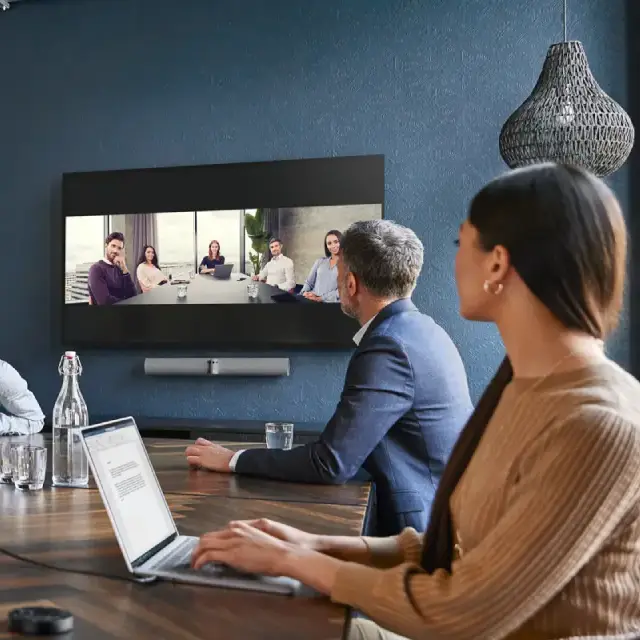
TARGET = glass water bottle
x,y
70,468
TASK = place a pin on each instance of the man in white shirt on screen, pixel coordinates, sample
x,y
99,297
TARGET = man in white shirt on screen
x,y
20,412
278,272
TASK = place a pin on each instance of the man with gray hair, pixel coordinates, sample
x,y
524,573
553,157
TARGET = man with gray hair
x,y
405,397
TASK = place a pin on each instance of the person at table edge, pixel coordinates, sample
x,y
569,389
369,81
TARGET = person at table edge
x,y
20,412
405,396
109,279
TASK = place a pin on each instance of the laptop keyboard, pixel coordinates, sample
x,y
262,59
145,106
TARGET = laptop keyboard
x,y
180,557
179,562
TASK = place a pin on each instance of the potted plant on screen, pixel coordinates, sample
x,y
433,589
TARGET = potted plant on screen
x,y
254,226
259,239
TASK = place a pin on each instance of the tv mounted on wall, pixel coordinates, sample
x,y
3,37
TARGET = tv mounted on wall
x,y
207,230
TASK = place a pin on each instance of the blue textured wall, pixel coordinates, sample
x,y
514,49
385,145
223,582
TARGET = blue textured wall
x,y
104,84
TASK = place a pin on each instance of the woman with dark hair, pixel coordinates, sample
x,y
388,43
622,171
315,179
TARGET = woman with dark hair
x,y
322,282
212,259
148,272
535,528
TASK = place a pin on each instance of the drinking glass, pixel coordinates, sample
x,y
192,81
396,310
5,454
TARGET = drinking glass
x,y
278,435
29,467
182,291
252,289
6,465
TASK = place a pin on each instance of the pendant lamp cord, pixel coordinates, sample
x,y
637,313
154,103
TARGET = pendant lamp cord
x,y
564,20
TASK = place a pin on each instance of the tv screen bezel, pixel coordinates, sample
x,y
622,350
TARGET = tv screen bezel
x,y
350,180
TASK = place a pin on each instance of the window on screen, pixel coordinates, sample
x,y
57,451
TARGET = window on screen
x,y
224,226
176,242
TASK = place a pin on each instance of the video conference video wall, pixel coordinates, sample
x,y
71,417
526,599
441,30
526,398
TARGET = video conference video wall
x,y
237,256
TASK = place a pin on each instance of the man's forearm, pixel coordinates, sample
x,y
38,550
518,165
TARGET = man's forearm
x,y
310,463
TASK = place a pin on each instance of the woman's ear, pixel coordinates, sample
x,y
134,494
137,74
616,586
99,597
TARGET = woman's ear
x,y
500,263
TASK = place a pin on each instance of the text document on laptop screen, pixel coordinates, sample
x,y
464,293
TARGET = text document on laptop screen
x,y
130,488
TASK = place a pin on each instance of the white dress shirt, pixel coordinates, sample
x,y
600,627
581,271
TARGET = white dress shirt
x,y
363,329
357,339
278,272
21,411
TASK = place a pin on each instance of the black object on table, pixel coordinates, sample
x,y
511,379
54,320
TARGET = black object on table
x,y
40,621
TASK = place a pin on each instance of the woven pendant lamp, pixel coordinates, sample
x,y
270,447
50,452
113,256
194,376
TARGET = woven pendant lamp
x,y
568,118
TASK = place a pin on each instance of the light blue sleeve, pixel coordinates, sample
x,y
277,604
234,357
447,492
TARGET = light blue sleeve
x,y
23,414
311,278
332,296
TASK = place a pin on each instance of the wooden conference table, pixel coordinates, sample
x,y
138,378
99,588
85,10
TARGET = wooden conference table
x,y
205,289
69,528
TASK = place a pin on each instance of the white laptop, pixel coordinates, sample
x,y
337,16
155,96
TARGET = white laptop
x,y
142,521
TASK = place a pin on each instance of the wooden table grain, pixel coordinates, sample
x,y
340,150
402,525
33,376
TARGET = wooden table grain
x,y
69,528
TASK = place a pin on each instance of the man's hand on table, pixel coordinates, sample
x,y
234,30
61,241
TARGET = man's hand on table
x,y
208,455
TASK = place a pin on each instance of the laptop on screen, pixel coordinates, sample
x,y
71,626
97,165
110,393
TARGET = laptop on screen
x,y
223,271
141,519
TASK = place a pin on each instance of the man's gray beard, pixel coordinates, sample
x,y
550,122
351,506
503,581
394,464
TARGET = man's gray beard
x,y
348,311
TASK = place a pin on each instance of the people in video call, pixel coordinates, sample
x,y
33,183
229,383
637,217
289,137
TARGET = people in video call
x,y
278,272
148,272
20,412
535,530
109,279
212,259
404,400
322,282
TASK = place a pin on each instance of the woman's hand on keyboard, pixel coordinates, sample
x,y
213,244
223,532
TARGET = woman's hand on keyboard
x,y
283,532
243,547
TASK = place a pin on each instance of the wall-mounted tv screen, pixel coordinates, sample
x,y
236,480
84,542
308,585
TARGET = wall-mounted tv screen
x,y
229,256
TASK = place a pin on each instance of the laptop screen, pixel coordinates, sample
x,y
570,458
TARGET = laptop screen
x,y
130,489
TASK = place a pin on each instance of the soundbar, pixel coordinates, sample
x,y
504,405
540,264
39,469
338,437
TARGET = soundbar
x,y
216,366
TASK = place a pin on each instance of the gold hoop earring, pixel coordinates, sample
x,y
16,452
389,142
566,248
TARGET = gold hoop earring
x,y
490,287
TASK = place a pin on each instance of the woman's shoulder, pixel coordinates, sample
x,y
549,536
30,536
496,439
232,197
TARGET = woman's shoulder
x,y
600,402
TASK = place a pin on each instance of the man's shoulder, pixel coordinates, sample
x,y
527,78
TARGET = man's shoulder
x,y
407,326
97,266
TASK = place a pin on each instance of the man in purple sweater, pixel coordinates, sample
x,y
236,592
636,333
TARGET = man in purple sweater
x,y
109,279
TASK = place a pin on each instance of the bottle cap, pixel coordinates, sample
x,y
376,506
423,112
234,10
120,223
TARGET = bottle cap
x,y
70,354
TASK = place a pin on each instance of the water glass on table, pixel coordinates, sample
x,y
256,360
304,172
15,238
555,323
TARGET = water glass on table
x,y
6,464
253,289
29,467
278,435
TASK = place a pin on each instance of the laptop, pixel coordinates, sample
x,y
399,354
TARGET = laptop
x,y
141,519
223,271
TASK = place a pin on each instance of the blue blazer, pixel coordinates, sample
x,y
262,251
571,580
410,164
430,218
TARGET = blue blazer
x,y
405,400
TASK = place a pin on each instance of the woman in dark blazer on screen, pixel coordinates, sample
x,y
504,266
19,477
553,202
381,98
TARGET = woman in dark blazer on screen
x,y
212,259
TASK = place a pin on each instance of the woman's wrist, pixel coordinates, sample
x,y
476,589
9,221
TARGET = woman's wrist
x,y
352,548
310,567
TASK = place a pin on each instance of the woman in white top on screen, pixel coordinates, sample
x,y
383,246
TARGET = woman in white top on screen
x,y
148,271
213,259
322,282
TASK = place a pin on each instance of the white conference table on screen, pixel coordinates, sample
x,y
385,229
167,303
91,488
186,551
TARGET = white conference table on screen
x,y
205,289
